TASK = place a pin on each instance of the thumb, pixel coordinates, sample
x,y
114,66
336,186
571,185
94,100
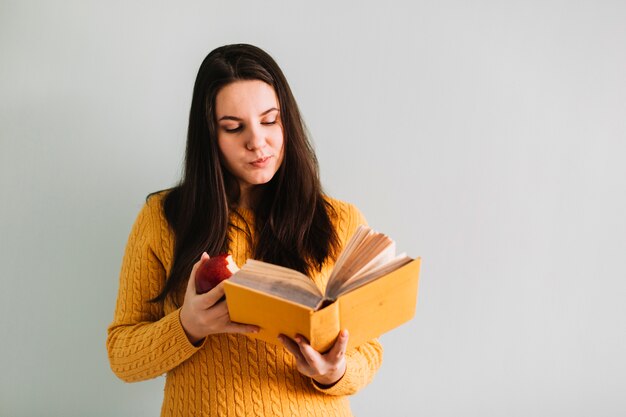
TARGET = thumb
x,y
191,284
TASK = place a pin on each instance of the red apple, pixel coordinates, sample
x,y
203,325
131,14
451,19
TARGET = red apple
x,y
213,271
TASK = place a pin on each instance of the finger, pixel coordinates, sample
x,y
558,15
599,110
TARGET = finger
x,y
241,328
191,284
310,355
219,312
291,346
340,346
213,297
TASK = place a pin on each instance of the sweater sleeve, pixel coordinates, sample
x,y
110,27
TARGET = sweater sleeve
x,y
142,341
362,362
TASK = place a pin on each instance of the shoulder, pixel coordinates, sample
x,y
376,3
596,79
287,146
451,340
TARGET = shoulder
x,y
152,209
346,217
345,211
155,200
151,224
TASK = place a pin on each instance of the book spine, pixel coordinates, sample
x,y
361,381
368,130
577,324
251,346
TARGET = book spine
x,y
324,327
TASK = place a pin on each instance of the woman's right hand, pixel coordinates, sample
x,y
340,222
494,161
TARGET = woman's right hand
x,y
205,314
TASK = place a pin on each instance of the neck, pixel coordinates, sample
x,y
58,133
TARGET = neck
x,y
248,196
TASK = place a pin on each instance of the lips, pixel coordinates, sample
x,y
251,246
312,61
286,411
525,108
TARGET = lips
x,y
261,162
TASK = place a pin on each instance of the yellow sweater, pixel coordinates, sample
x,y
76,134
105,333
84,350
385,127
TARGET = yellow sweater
x,y
228,375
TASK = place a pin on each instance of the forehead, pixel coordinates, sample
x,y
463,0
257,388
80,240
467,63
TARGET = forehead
x,y
247,97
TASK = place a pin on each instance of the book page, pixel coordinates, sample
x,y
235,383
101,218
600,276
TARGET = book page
x,y
353,243
268,271
278,281
365,251
374,251
373,274
283,289
361,267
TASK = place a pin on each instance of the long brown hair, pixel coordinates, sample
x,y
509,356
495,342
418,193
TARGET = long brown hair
x,y
293,220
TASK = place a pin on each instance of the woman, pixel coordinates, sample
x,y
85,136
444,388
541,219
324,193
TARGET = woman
x,y
250,188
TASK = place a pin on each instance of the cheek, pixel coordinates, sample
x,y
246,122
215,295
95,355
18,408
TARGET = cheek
x,y
279,141
226,148
281,153
220,143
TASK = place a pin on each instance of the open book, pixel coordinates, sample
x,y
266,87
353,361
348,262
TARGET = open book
x,y
370,290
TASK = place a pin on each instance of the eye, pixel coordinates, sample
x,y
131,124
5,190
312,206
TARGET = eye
x,y
233,129
273,122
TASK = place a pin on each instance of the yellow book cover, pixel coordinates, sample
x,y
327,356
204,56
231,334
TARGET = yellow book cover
x,y
370,291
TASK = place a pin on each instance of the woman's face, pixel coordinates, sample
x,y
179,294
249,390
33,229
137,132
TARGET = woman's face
x,y
249,131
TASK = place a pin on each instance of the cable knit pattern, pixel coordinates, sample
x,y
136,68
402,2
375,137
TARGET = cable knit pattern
x,y
254,378
228,375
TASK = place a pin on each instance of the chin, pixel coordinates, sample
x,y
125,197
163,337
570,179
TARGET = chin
x,y
261,178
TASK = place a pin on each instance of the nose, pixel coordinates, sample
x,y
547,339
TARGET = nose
x,y
256,139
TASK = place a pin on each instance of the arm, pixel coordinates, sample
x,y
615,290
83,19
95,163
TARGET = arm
x,y
142,341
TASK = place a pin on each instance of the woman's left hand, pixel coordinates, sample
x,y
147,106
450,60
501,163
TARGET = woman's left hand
x,y
326,369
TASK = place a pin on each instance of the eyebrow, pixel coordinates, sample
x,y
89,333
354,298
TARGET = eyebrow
x,y
238,119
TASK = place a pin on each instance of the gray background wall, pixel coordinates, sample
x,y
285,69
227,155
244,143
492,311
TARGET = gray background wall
x,y
487,137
